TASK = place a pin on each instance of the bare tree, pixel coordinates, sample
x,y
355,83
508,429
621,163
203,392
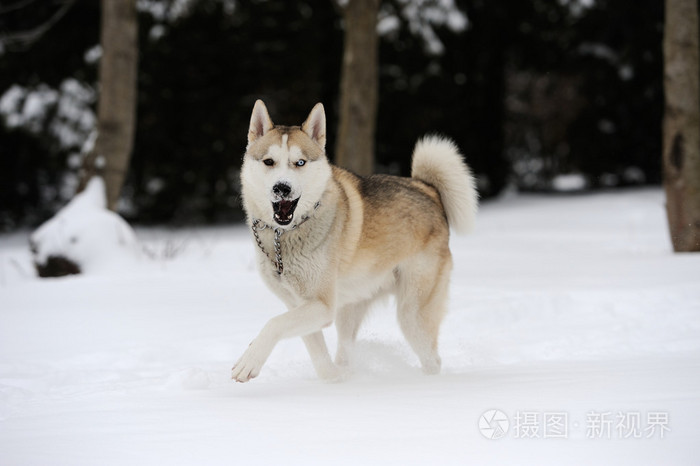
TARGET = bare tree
x,y
116,108
681,128
359,84
25,37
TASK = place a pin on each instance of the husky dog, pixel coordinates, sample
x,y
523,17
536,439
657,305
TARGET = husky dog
x,y
330,243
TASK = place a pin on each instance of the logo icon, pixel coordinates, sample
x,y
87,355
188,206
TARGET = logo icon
x,y
494,424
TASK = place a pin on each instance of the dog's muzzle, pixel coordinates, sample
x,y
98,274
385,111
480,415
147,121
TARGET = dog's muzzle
x,y
283,207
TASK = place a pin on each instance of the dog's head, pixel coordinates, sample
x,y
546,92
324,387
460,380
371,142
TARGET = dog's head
x,y
285,170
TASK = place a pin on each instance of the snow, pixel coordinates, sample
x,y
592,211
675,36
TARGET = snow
x,y
64,113
387,25
88,234
9,103
566,305
22,107
175,9
74,120
578,7
422,18
569,182
93,54
599,50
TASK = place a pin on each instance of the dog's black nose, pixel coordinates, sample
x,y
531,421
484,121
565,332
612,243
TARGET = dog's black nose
x,y
282,190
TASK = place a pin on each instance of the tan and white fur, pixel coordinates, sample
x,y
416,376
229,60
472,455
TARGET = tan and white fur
x,y
348,240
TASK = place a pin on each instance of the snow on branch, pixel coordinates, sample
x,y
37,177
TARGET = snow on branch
x,y
423,17
64,113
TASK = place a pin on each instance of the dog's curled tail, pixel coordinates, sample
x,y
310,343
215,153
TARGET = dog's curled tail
x,y
437,162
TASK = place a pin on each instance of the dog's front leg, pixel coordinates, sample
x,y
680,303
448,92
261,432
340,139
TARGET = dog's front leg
x,y
306,319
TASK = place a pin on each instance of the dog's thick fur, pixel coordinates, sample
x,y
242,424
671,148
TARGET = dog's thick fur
x,y
348,240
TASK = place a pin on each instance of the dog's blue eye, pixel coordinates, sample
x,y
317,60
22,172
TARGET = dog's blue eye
x,y
269,162
300,163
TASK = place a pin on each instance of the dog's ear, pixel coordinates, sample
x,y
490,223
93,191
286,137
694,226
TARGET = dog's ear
x,y
260,122
315,125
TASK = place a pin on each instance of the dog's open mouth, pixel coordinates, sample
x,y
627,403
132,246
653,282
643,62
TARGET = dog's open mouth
x,y
284,211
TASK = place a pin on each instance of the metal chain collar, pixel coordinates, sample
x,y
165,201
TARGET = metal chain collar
x,y
277,261
259,225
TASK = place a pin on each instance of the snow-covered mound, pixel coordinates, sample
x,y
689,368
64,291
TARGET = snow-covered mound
x,y
84,236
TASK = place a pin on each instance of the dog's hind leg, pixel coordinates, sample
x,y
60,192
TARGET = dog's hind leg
x,y
321,359
347,323
422,303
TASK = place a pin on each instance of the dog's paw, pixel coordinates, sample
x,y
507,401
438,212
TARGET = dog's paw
x,y
333,373
431,365
248,366
244,370
341,357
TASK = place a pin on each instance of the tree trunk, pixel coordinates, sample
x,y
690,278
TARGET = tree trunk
x,y
681,128
359,85
116,109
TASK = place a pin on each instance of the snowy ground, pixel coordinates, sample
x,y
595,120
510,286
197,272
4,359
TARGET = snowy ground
x,y
569,315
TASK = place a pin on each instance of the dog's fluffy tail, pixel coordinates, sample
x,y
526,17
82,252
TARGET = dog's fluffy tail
x,y
437,161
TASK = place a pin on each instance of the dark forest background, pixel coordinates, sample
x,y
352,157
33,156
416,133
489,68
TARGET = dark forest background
x,y
530,91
